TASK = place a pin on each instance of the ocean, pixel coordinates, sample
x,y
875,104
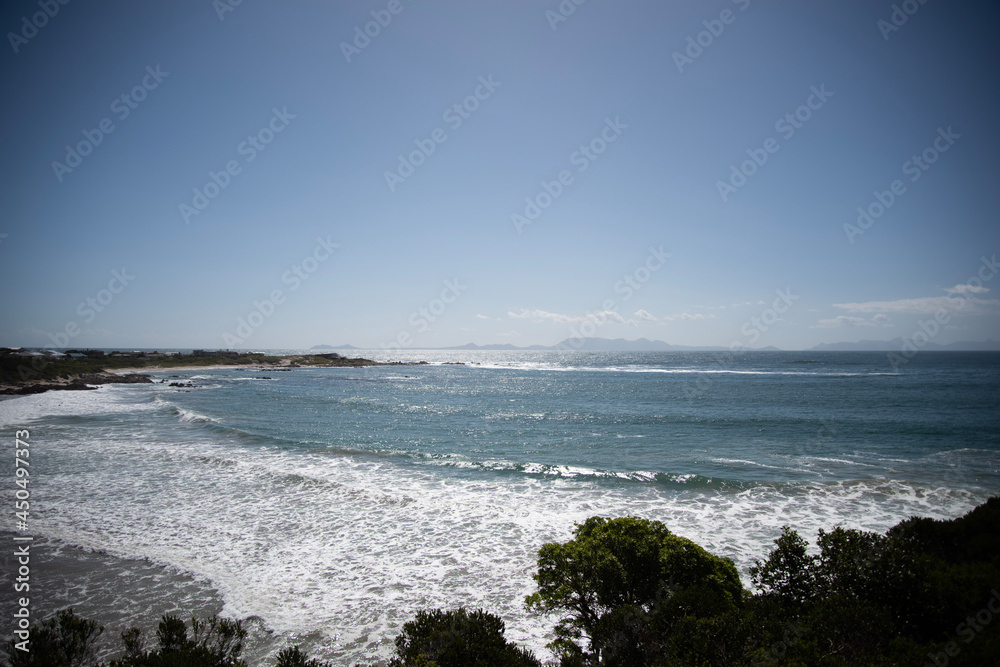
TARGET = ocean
x,y
328,506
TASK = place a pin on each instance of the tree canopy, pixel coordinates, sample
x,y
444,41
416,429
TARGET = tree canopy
x,y
458,638
627,586
630,593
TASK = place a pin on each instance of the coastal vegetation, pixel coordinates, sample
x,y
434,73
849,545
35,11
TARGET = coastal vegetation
x,y
628,592
24,372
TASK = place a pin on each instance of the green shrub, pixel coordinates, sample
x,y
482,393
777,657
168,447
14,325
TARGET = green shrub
x,y
458,638
65,640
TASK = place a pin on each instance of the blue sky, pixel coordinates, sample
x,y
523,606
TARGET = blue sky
x,y
361,206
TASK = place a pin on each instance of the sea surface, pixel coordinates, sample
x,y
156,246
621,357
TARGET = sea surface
x,y
328,506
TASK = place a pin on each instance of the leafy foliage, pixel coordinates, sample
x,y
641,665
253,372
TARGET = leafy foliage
x,y
633,590
898,598
631,593
293,656
638,595
214,643
66,640
458,638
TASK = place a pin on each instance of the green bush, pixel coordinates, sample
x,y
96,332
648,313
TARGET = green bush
x,y
65,640
631,593
293,656
214,643
634,590
458,638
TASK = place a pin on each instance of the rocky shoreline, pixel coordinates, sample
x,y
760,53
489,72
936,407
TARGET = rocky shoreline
x,y
103,372
81,382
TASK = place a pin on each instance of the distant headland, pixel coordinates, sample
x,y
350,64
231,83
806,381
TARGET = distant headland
x,y
24,371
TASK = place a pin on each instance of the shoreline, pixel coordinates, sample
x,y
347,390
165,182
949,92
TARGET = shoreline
x,y
83,375
76,382
133,370
264,367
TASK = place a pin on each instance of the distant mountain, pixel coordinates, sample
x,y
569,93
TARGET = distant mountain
x,y
896,344
975,346
646,345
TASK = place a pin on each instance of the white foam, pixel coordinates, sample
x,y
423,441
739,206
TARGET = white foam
x,y
106,399
353,545
756,464
701,370
192,416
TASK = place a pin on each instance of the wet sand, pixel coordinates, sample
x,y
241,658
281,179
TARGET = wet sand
x,y
118,593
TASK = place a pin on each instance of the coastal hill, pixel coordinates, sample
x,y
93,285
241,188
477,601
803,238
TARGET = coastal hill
x,y
35,371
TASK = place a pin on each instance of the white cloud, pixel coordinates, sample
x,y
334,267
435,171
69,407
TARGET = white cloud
x,y
688,317
970,305
539,315
882,319
960,298
482,317
509,333
967,289
604,316
843,321
640,316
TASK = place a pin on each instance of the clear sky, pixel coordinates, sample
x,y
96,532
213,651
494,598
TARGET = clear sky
x,y
499,171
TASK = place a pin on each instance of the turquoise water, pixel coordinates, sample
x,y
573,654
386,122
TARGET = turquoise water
x,y
662,417
334,503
